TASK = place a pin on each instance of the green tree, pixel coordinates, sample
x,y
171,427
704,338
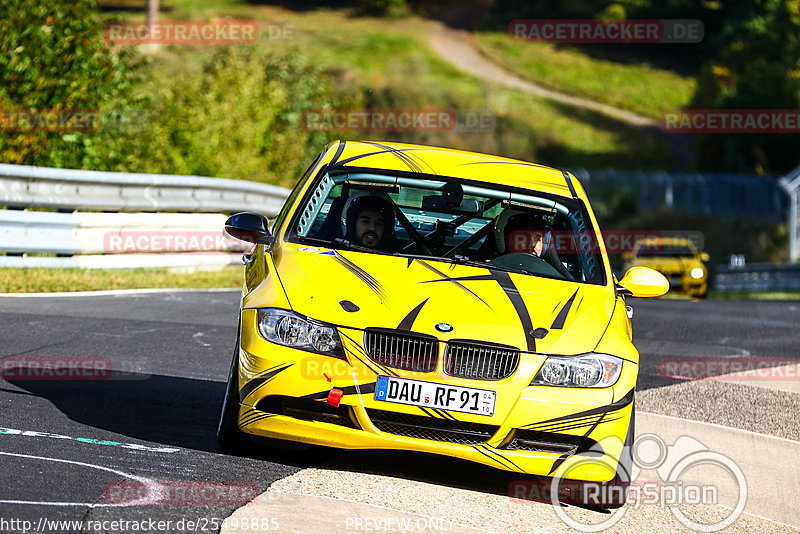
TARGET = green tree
x,y
382,7
52,57
244,116
758,67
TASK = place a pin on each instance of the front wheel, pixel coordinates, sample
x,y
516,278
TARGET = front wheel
x,y
703,294
625,475
228,434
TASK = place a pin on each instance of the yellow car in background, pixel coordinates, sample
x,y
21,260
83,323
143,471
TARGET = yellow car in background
x,y
676,258
425,299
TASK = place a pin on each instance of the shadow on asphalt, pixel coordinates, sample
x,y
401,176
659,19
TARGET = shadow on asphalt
x,y
167,410
163,409
431,469
183,412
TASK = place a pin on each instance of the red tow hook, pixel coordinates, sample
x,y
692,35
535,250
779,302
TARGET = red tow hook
x,y
335,397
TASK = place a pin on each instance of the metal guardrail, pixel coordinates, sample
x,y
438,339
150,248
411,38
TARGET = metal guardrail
x,y
113,233
183,260
83,236
43,187
759,277
109,240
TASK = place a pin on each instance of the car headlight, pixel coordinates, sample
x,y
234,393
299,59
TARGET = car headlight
x,y
584,371
697,272
293,330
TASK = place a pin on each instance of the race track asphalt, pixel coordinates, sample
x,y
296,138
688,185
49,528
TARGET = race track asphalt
x,y
67,445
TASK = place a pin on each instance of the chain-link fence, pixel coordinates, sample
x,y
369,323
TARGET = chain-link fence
x,y
710,194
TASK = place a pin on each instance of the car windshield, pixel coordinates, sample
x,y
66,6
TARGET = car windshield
x,y
450,220
680,251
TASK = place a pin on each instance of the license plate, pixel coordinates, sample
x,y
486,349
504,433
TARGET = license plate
x,y
433,395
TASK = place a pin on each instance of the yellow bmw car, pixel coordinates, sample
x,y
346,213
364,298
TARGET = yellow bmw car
x,y
419,298
677,259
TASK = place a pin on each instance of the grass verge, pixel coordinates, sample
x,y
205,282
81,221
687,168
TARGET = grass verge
x,y
389,65
19,280
741,295
632,86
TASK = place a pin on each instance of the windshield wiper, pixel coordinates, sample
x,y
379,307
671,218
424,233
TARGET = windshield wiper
x,y
429,258
339,242
458,258
346,243
463,260
317,240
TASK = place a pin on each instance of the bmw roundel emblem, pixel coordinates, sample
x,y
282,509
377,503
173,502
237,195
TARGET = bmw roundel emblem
x,y
443,327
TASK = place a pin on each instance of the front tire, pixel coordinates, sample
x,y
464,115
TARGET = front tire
x,y
228,434
625,475
703,294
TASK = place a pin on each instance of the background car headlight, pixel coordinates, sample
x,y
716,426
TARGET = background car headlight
x,y
586,371
293,330
697,272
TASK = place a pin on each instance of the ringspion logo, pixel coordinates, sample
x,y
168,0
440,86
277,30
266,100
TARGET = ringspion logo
x,y
688,478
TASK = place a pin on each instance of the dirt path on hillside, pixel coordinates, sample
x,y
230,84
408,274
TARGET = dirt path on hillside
x,y
456,46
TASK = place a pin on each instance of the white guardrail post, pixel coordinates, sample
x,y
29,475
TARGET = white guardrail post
x,y
178,222
791,184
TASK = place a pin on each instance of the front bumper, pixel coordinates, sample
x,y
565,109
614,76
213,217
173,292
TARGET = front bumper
x,y
535,429
684,282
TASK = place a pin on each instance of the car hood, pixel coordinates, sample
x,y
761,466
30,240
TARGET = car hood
x,y
417,295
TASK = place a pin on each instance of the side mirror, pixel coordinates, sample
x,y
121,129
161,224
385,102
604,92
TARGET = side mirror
x,y
704,257
249,226
643,282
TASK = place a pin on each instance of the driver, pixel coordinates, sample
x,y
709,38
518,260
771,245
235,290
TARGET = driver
x,y
526,233
370,222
